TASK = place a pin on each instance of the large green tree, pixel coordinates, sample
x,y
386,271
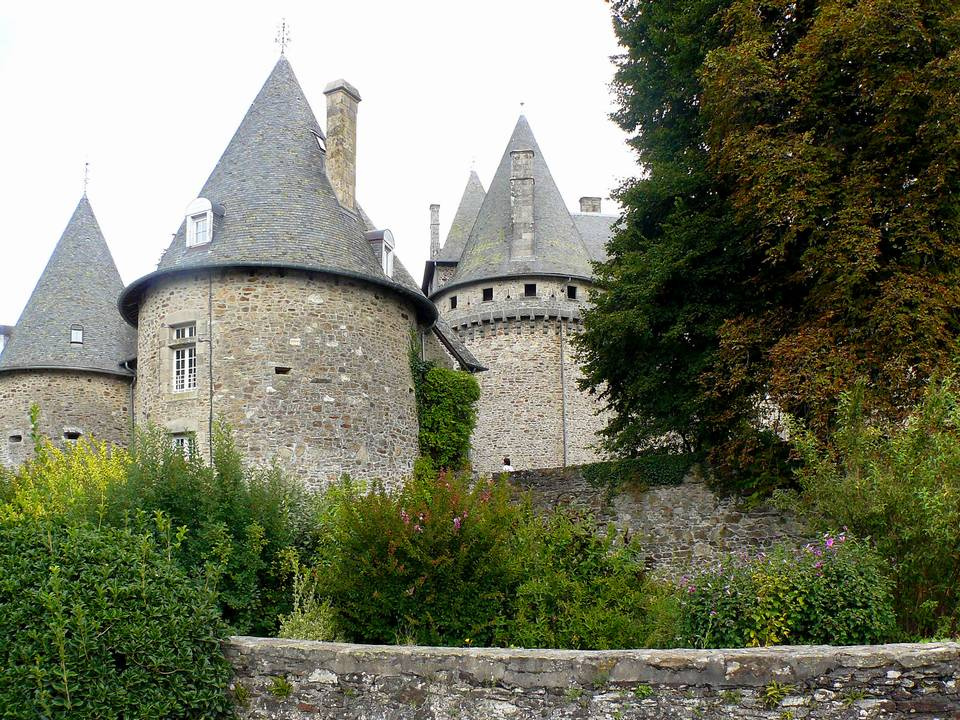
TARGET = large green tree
x,y
795,225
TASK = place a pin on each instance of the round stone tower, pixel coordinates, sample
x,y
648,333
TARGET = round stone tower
x,y
67,354
275,308
512,279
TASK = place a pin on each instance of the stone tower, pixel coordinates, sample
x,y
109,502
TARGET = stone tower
x,y
512,280
69,351
277,309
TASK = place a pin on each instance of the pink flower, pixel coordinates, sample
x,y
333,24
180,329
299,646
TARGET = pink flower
x,y
418,528
404,517
456,523
829,542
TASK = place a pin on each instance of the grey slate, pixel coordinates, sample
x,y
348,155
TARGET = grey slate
x,y
596,231
79,286
464,219
559,249
280,209
441,329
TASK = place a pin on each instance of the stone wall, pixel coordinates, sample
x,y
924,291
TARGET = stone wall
x,y
310,369
296,680
82,402
530,408
675,524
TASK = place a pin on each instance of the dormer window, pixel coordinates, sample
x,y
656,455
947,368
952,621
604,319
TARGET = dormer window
x,y
383,247
76,335
200,221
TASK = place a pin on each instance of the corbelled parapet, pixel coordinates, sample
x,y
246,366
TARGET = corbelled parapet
x,y
342,101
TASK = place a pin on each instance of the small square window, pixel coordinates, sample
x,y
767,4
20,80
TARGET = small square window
x,y
453,303
185,332
71,435
487,294
530,290
198,229
571,292
183,443
76,335
15,438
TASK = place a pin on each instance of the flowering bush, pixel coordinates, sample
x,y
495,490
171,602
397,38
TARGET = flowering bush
x,y
429,563
834,592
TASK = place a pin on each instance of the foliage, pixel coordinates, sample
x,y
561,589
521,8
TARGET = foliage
x,y
239,520
899,484
310,618
835,592
676,259
236,519
579,590
101,623
446,411
794,229
429,562
649,469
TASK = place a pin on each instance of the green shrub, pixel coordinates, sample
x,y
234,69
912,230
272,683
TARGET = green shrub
x,y
238,519
579,590
835,592
102,624
446,411
655,467
428,563
899,485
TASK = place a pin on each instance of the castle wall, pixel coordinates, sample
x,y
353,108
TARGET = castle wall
x,y
530,408
310,369
84,402
333,680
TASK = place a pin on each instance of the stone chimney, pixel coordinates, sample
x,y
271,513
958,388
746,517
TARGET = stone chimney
x,y
521,204
434,232
589,204
342,101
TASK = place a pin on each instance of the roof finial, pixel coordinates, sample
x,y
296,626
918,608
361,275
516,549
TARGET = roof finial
x,y
521,106
86,177
283,36
473,164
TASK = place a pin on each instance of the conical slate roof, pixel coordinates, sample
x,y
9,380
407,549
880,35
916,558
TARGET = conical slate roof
x,y
463,221
558,248
78,287
279,208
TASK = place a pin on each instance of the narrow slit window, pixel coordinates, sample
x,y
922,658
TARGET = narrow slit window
x,y
281,370
487,294
571,292
453,303
530,290
16,438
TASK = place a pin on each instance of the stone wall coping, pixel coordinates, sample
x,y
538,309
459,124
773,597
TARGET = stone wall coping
x,y
523,668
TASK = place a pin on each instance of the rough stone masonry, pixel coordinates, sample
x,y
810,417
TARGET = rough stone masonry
x,y
296,680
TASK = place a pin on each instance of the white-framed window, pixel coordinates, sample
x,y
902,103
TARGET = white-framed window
x,y
76,335
185,357
199,222
388,260
184,443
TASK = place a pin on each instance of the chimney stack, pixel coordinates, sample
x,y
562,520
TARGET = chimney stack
x,y
342,101
521,204
589,204
434,232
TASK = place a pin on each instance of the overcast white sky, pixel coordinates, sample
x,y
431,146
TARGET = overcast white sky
x,y
151,93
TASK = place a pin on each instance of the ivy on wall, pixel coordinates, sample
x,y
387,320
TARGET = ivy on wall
x,y
446,409
646,470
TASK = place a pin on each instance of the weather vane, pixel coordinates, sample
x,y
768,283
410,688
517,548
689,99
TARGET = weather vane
x,y
283,36
86,177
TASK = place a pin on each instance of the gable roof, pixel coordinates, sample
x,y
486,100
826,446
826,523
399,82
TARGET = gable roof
x,y
279,208
79,286
596,231
559,250
464,219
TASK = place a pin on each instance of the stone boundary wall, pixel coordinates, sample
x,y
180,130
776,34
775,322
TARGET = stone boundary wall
x,y
296,680
676,524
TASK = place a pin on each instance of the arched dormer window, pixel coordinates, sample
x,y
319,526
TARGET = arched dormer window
x,y
76,334
200,221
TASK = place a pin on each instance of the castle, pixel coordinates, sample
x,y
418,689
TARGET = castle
x,y
281,307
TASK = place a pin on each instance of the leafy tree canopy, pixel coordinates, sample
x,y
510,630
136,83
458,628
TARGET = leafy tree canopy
x,y
795,227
